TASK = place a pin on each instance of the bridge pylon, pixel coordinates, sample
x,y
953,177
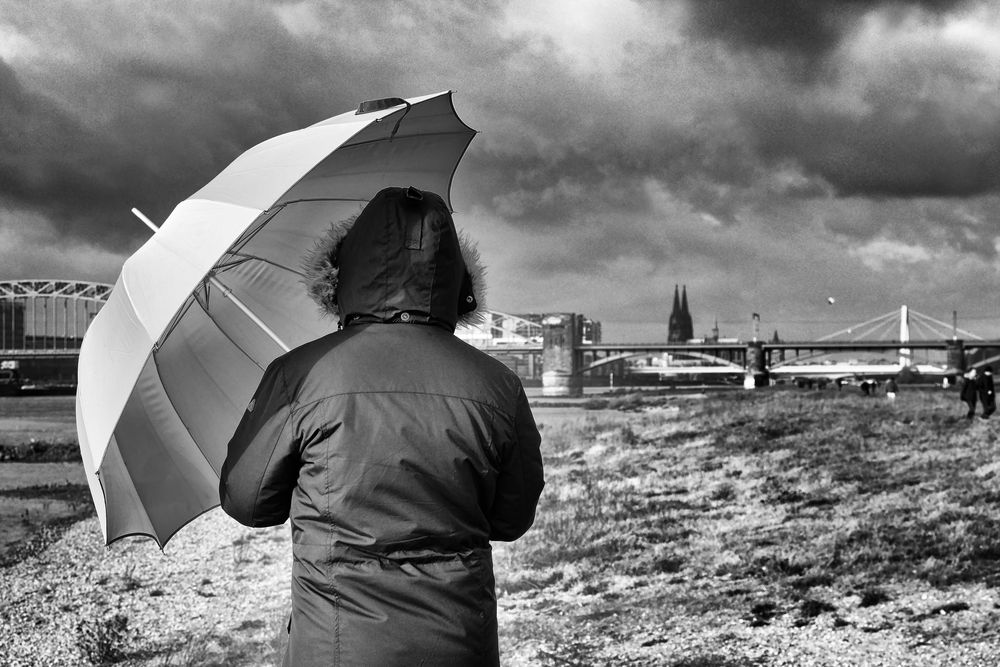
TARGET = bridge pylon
x,y
757,374
561,336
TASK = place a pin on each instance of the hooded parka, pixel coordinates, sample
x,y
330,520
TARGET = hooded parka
x,y
397,450
987,396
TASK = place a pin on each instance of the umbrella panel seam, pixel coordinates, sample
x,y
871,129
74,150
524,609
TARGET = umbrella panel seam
x,y
208,314
242,259
187,429
421,135
254,229
248,234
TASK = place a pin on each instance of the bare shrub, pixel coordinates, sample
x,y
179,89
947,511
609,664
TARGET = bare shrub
x,y
104,640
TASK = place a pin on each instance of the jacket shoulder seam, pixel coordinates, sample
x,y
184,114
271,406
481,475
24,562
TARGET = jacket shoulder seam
x,y
407,392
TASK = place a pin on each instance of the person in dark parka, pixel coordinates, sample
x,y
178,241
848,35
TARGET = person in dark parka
x,y
398,451
984,383
969,392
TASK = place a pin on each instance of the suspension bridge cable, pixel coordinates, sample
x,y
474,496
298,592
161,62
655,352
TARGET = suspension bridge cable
x,y
849,330
946,325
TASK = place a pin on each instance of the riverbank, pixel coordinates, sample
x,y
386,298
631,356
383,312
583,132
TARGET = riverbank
x,y
751,528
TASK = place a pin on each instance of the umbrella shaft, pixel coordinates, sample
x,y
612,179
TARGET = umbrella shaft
x,y
226,292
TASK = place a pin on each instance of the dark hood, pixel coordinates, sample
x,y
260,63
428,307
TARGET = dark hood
x,y
400,260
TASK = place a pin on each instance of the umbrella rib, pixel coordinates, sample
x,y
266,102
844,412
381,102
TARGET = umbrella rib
x,y
228,293
243,258
104,490
208,314
254,229
180,420
456,133
142,505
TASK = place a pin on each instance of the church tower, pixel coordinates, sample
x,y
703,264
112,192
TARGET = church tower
x,y
687,325
675,324
680,327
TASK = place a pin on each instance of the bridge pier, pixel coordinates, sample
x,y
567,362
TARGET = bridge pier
x,y
561,335
757,375
956,357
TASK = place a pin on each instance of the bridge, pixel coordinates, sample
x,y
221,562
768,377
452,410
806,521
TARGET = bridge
x,y
42,323
558,350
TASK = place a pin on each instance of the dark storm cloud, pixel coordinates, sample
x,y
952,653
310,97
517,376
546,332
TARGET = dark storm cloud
x,y
806,28
85,179
168,126
38,146
919,120
604,174
902,146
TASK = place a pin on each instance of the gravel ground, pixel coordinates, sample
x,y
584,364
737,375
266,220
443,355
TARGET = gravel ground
x,y
218,595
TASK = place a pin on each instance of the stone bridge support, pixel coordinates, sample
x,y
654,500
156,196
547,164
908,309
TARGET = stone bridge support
x,y
561,362
757,375
956,357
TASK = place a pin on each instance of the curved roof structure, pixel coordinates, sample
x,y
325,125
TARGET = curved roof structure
x,y
47,316
78,289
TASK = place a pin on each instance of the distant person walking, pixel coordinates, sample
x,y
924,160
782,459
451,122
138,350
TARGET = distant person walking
x,y
984,383
891,389
970,392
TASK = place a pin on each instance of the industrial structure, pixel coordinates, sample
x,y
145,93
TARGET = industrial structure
x,y
42,323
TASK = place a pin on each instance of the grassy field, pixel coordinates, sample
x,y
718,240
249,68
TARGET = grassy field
x,y
40,498
749,525
771,527
24,419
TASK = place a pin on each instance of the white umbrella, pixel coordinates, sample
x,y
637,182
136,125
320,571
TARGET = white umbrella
x,y
170,362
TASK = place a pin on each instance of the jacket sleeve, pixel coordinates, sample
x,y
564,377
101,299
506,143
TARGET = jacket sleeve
x,y
262,461
521,478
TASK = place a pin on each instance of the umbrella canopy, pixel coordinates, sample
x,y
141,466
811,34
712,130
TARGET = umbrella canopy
x,y
169,363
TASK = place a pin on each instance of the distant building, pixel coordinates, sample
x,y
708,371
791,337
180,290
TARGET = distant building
x,y
680,327
506,333
590,330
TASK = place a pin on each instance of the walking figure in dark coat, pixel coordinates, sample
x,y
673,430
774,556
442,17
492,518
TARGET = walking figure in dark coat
x,y
970,392
987,397
398,450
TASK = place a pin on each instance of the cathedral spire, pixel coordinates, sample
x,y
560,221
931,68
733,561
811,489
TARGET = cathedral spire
x,y
687,324
675,324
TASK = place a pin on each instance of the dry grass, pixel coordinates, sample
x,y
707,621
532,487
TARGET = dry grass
x,y
28,419
791,509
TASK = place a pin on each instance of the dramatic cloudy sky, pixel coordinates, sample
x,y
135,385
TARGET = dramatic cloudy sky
x,y
766,154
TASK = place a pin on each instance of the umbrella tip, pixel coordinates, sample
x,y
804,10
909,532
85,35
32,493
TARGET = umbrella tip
x,y
149,223
369,106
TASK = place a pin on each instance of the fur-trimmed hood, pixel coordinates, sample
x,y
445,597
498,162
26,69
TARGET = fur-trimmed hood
x,y
399,260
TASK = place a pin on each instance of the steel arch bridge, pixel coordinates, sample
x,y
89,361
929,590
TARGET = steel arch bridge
x,y
501,329
47,317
